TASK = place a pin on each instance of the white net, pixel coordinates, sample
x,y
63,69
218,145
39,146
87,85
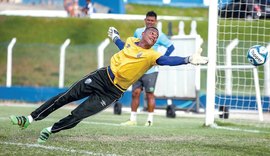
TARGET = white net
x,y
241,24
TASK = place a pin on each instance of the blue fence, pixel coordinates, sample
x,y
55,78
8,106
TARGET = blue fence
x,y
41,94
116,6
236,102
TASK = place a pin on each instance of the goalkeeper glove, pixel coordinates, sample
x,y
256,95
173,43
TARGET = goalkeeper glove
x,y
113,34
197,59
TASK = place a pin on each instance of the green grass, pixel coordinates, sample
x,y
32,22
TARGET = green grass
x,y
101,134
85,30
167,10
36,52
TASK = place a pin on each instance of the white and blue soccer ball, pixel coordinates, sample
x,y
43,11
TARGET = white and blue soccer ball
x,y
257,55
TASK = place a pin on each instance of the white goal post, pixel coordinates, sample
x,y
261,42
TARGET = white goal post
x,y
211,70
231,81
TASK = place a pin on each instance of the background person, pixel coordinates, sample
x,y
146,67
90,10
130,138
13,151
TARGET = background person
x,y
76,9
89,8
68,6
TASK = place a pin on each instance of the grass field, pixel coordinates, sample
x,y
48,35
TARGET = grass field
x,y
103,135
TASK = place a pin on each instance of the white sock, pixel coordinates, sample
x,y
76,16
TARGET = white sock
x,y
49,129
30,118
133,116
150,116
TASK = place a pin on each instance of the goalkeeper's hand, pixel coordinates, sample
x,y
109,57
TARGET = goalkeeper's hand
x,y
113,34
197,59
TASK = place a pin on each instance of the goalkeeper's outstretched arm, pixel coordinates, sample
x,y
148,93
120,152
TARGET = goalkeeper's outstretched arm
x,y
120,44
172,60
195,59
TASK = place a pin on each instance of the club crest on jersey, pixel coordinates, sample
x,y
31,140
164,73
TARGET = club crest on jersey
x,y
88,81
139,55
128,45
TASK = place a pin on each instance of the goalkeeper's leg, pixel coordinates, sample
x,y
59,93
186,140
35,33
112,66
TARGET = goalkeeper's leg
x,y
149,85
136,91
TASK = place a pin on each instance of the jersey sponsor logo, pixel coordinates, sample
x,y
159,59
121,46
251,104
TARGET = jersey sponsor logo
x,y
103,103
88,81
139,55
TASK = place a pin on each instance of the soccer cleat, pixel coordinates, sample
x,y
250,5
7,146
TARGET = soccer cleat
x,y
148,124
44,136
129,123
21,121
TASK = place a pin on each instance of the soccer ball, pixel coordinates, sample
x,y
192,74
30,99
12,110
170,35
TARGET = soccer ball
x,y
257,55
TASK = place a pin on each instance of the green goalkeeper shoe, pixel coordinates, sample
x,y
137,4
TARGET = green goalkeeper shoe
x,y
21,121
44,136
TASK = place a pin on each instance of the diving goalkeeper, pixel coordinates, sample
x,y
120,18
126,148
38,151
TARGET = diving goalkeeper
x,y
106,85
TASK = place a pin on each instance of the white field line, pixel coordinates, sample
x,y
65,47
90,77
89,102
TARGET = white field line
x,y
85,122
100,123
237,129
112,124
53,148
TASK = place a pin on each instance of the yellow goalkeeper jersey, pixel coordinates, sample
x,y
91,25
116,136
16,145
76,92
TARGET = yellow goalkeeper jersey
x,y
129,64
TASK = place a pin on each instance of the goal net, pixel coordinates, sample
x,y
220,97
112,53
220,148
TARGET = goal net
x,y
241,91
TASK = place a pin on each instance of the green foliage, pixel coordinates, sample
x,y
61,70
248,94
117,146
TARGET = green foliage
x,y
244,30
103,134
167,10
36,52
57,30
85,30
